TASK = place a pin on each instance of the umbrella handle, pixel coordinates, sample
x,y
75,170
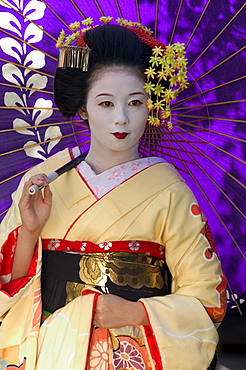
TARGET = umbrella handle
x,y
51,177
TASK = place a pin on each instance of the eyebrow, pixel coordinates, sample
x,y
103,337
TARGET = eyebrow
x,y
134,93
103,94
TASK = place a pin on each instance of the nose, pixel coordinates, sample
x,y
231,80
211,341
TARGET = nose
x,y
121,116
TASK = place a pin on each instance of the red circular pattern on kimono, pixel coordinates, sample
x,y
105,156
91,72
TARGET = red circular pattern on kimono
x,y
208,254
195,210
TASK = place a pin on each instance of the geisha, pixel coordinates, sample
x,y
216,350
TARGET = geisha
x,y
109,266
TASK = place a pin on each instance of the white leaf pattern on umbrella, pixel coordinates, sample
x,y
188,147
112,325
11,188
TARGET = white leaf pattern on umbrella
x,y
11,99
19,123
7,21
33,34
10,72
52,133
8,45
39,114
36,81
33,150
34,10
35,59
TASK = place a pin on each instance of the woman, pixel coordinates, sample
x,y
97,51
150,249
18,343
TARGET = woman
x,y
115,234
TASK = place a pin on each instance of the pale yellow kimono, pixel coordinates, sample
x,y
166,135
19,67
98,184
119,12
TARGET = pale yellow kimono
x,y
154,205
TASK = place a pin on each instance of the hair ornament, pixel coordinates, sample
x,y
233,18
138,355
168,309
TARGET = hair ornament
x,y
167,65
74,57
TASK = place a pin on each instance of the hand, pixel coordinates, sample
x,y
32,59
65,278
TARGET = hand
x,y
114,312
35,209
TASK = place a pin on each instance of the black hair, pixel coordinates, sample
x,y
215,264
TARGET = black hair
x,y
111,46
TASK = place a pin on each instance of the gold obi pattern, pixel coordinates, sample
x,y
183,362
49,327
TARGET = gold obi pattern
x,y
135,270
121,268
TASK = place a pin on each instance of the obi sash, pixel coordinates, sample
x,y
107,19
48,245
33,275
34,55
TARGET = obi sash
x,y
108,267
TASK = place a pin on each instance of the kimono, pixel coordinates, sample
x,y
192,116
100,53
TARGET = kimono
x,y
143,209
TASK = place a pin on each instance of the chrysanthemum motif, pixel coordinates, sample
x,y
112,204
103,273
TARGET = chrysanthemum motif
x,y
54,244
134,245
99,356
127,356
153,121
74,26
150,72
148,86
157,50
87,21
105,19
150,104
106,246
154,60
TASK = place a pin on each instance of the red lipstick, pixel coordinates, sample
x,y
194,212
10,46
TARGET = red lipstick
x,y
120,135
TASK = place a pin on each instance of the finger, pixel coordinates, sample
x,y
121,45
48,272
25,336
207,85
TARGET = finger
x,y
40,179
47,195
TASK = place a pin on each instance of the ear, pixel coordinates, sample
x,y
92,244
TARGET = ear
x,y
82,113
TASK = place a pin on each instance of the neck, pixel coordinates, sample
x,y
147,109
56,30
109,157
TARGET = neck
x,y
101,161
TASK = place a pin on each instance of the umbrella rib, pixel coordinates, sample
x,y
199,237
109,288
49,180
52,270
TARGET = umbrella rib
x,y
191,108
138,11
208,200
198,23
22,66
28,169
218,35
214,162
207,130
217,65
6,210
156,18
214,118
56,15
78,9
29,108
176,104
43,125
16,175
176,21
217,147
40,143
99,7
26,88
29,20
118,8
25,42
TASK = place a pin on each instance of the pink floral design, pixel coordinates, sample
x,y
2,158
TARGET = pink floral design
x,y
106,246
114,174
128,356
135,164
99,356
54,244
83,246
162,250
98,190
134,245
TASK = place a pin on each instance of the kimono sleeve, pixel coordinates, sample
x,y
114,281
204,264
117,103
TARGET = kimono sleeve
x,y
183,322
8,238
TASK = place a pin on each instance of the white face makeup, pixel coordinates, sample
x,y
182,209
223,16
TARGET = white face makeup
x,y
117,112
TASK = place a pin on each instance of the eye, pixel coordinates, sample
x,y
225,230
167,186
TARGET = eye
x,y
135,103
106,104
